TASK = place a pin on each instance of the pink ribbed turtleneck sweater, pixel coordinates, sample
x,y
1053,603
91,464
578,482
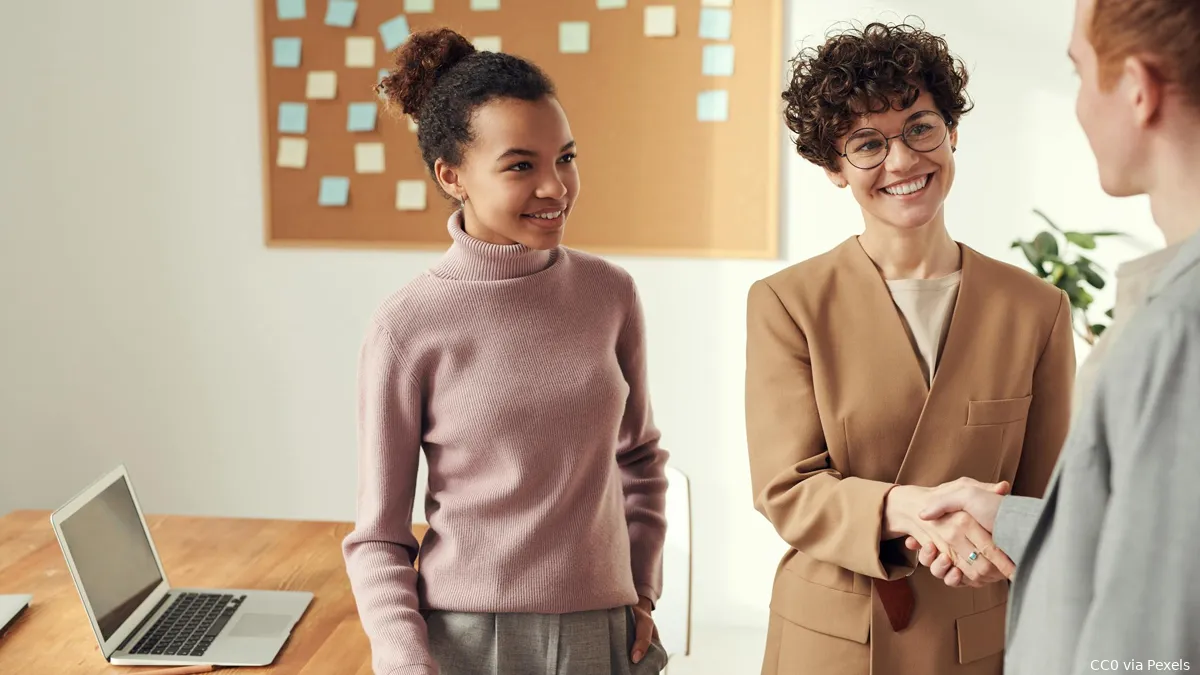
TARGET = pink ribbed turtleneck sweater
x,y
522,374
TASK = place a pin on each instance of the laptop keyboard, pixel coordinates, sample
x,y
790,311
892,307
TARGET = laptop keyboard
x,y
189,625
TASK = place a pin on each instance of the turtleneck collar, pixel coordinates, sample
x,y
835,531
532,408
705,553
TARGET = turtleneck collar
x,y
471,259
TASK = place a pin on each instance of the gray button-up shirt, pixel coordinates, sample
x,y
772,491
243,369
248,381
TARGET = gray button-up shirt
x,y
1108,564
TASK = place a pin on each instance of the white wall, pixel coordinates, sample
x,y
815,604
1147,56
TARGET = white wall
x,y
144,322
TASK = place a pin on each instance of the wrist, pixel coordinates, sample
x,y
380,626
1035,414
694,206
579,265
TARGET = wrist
x,y
898,511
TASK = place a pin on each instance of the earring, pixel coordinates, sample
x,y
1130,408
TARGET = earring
x,y
954,148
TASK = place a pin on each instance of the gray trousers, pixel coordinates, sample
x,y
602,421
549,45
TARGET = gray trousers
x,y
582,643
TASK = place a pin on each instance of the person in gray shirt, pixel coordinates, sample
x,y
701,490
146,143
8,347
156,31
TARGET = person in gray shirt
x,y
1104,568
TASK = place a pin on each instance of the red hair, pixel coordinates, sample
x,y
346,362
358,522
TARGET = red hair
x,y
1167,32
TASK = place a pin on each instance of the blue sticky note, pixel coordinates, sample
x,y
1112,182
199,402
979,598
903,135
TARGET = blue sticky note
x,y
394,32
361,117
289,9
712,106
716,24
287,52
718,60
335,191
341,13
293,118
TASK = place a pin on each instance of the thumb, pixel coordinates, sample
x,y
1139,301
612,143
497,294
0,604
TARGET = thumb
x,y
1001,488
940,506
643,633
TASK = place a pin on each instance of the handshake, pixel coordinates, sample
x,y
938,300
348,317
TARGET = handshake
x,y
950,526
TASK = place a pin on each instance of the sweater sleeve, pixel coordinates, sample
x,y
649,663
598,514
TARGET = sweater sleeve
x,y
381,549
815,509
642,462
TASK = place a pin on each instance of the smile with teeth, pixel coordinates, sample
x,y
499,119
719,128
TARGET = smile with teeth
x,y
550,215
909,187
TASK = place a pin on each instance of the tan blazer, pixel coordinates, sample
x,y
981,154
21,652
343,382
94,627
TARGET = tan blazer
x,y
838,410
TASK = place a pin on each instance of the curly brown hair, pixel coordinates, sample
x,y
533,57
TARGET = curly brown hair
x,y
863,71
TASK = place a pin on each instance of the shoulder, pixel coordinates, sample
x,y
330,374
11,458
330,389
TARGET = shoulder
x,y
409,307
1014,282
807,277
597,272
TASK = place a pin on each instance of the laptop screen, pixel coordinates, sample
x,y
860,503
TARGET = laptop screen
x,y
112,556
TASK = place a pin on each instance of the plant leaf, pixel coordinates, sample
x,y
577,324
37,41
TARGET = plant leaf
x,y
1046,244
1098,329
1056,273
1090,275
1083,240
1109,313
1047,219
1034,257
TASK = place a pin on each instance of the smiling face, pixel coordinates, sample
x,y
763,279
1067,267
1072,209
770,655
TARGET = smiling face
x,y
518,175
909,188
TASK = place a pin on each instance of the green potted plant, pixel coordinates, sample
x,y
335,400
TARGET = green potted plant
x,y
1053,259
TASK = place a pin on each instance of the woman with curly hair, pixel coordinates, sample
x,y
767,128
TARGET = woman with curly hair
x,y
898,360
518,367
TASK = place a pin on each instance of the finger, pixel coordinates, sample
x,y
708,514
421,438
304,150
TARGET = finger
x,y
941,505
954,578
912,544
999,560
941,566
927,555
641,642
1001,488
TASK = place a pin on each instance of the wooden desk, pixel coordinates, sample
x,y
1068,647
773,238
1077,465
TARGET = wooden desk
x,y
53,636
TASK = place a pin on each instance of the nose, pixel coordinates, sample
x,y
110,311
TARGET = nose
x,y
901,158
551,186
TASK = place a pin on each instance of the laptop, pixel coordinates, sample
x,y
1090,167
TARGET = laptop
x,y
138,618
11,607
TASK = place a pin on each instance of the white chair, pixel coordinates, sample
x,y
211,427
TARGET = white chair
x,y
673,611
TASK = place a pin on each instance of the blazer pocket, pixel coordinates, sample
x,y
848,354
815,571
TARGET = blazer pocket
x,y
820,608
981,634
999,411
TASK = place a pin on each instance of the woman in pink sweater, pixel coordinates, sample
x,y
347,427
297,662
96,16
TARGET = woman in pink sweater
x,y
519,367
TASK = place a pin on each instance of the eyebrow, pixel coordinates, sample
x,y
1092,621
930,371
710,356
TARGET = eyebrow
x,y
521,152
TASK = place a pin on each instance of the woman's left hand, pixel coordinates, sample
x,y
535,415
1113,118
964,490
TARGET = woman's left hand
x,y
645,630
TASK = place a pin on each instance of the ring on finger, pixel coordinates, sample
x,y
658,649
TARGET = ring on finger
x,y
973,557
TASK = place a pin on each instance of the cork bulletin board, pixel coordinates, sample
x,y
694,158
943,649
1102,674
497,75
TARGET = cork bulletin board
x,y
674,104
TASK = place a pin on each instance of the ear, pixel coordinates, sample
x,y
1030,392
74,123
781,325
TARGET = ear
x,y
836,178
449,179
954,139
1145,90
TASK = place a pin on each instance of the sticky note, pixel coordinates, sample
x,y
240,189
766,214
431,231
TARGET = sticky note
x,y
360,52
412,125
716,24
289,9
611,4
716,3
335,191
322,84
286,52
341,13
368,157
361,117
293,118
485,5
712,106
659,21
293,152
418,6
487,43
718,60
410,195
394,32
573,37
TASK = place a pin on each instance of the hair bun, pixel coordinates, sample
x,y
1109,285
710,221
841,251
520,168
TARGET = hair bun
x,y
420,61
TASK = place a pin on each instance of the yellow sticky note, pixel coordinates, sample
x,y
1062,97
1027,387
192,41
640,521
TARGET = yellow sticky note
x,y
322,84
574,37
487,43
368,157
716,3
410,195
360,52
660,21
293,152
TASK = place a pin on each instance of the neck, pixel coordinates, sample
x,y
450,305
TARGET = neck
x,y
473,259
925,252
473,227
1174,196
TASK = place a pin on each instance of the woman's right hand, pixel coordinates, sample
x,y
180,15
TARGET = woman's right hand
x,y
954,537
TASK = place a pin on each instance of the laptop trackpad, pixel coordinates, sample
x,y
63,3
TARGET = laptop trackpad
x,y
261,625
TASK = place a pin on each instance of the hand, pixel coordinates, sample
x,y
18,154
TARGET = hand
x,y
645,630
980,501
953,565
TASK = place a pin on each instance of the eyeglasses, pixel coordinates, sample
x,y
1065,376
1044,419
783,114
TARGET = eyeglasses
x,y
923,132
